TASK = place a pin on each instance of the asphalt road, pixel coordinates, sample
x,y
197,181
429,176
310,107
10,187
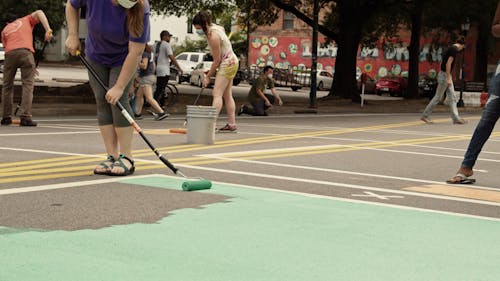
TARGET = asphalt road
x,y
390,169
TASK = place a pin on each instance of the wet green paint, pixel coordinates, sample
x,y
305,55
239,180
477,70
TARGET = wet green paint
x,y
262,235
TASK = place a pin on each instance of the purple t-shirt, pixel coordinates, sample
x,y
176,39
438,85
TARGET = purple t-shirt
x,y
108,37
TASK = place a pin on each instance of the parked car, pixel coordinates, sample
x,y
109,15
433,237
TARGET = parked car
x,y
2,57
369,84
427,86
393,85
188,61
199,72
324,79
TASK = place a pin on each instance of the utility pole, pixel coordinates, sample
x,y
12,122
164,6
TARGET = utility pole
x,y
314,65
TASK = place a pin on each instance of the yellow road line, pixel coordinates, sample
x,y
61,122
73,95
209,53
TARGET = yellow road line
x,y
456,191
86,172
24,167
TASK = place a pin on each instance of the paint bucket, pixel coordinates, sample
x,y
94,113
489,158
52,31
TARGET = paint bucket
x,y
201,124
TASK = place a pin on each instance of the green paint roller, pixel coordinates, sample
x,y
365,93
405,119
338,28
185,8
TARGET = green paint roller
x,y
191,184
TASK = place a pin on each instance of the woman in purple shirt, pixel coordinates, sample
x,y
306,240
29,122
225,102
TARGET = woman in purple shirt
x,y
117,32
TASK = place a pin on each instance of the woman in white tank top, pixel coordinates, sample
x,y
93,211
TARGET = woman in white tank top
x,y
225,65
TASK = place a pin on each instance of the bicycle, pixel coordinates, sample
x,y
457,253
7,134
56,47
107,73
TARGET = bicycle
x,y
170,96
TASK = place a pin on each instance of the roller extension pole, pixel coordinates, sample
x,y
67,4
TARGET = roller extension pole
x,y
130,119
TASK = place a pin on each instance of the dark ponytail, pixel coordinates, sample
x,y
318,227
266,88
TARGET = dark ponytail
x,y
204,19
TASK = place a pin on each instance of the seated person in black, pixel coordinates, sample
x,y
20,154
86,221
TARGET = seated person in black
x,y
258,99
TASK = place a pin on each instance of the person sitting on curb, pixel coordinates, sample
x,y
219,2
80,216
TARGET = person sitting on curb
x,y
17,39
260,102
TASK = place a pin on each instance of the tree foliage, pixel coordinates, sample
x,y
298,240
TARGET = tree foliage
x,y
53,9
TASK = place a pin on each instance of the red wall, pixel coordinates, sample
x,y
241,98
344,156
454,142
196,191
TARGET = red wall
x,y
386,58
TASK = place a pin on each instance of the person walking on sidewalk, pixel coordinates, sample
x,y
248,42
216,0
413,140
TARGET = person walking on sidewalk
x,y
17,39
227,64
147,78
258,99
164,56
445,84
114,52
489,118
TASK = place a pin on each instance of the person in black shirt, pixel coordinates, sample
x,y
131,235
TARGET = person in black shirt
x,y
445,84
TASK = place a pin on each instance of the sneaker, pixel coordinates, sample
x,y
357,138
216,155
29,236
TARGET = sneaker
x,y
426,120
26,121
161,116
6,121
460,121
241,110
228,129
138,116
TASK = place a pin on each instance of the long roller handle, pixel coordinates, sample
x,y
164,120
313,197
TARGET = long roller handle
x,y
129,118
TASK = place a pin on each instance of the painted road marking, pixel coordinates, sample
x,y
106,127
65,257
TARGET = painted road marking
x,y
375,195
303,194
464,192
285,236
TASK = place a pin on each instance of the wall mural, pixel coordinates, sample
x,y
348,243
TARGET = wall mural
x,y
387,58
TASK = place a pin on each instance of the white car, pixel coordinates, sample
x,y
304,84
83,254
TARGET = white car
x,y
188,61
199,72
2,57
324,79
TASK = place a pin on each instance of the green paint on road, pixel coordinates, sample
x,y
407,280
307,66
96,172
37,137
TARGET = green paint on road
x,y
262,235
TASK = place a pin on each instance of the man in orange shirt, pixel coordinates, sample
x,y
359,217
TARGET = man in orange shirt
x,y
17,39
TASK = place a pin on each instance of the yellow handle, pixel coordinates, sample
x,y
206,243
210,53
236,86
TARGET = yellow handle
x,y
77,53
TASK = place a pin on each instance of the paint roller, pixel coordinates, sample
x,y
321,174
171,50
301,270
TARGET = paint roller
x,y
190,184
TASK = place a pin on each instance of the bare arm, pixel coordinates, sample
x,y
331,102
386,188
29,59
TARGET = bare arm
x,y
449,62
144,63
72,18
495,26
39,15
277,96
127,72
214,42
172,59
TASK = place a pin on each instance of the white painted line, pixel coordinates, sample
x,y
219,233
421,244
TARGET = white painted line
x,y
352,186
48,133
375,195
309,195
62,185
50,152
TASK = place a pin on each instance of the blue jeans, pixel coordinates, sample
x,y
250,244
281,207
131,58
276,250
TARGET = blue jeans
x,y
440,90
489,118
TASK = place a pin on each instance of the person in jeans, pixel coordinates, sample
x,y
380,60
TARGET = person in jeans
x,y
147,78
17,39
114,53
225,65
489,118
258,99
445,84
163,56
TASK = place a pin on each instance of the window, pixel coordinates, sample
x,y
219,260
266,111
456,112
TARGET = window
x,y
288,19
194,58
182,57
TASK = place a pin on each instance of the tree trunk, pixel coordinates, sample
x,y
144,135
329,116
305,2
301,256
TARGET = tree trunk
x,y
350,25
414,49
482,44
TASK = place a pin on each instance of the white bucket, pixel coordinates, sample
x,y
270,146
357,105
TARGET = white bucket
x,y
201,124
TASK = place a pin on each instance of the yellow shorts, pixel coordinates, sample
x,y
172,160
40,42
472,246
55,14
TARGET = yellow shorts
x,y
229,67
